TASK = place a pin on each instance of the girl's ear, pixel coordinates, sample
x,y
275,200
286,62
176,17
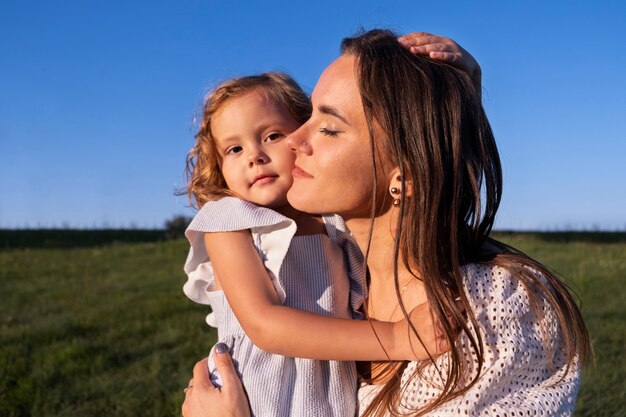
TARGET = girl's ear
x,y
396,188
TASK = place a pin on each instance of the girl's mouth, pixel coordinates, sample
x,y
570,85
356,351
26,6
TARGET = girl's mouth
x,y
263,179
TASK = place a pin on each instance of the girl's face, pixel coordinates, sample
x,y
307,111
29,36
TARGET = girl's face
x,y
249,133
333,172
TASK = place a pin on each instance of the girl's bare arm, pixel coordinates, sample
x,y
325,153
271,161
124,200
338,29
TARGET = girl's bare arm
x,y
291,332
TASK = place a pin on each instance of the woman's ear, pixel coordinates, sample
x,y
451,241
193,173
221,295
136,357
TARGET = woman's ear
x,y
396,188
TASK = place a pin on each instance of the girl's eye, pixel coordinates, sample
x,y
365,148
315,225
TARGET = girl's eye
x,y
274,136
234,150
329,132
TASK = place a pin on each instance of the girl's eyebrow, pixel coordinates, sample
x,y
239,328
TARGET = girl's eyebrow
x,y
332,112
222,144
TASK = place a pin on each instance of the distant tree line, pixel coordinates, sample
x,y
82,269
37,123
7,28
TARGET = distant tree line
x,y
66,237
176,226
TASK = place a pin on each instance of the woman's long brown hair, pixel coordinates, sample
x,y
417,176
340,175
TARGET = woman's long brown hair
x,y
431,125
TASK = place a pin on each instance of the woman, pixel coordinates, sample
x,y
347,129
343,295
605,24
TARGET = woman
x,y
416,175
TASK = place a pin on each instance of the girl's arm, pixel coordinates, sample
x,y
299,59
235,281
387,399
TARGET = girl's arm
x,y
291,332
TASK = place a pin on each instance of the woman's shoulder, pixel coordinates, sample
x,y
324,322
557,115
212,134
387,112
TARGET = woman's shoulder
x,y
495,281
230,214
499,295
509,305
483,279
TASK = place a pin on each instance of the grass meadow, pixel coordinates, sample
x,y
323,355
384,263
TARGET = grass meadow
x,y
101,328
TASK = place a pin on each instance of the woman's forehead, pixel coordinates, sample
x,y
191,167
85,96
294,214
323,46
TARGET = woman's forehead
x,y
337,87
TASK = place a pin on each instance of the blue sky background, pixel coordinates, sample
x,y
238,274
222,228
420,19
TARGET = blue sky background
x,y
97,98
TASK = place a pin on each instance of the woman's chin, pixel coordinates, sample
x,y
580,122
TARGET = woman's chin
x,y
303,200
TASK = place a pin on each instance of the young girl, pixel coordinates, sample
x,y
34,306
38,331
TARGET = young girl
x,y
271,273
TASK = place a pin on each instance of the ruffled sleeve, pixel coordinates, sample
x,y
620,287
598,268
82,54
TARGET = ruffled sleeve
x,y
271,232
338,232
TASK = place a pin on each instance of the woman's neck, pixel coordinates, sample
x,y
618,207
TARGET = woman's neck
x,y
380,262
381,246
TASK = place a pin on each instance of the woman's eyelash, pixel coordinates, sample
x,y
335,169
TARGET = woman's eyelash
x,y
329,132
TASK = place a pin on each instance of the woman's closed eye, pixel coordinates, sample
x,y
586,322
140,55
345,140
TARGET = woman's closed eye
x,y
329,132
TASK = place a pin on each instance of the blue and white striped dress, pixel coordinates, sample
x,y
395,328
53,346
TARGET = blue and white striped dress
x,y
316,273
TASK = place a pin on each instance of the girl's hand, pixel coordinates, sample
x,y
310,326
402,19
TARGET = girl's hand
x,y
432,341
445,50
202,399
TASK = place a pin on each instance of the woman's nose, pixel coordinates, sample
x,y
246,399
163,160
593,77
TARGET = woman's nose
x,y
298,141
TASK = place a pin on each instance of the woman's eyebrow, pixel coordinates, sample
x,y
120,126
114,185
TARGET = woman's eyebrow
x,y
332,112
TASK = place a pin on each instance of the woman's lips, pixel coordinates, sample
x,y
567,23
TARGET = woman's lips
x,y
298,172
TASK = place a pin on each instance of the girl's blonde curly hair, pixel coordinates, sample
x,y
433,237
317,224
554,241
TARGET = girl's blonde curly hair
x,y
205,181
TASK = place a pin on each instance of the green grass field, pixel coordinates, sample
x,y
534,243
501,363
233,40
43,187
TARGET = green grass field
x,y
104,329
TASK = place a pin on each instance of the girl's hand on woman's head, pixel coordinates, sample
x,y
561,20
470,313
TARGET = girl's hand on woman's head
x,y
202,399
445,50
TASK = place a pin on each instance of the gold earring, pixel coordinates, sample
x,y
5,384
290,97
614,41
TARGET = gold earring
x,y
395,191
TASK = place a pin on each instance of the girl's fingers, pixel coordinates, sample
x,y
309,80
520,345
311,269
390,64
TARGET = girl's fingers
x,y
442,345
444,56
415,34
425,40
433,47
419,38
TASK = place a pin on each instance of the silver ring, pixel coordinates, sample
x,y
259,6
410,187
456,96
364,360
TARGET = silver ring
x,y
188,387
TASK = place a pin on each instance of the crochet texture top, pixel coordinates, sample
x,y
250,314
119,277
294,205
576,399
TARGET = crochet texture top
x,y
519,376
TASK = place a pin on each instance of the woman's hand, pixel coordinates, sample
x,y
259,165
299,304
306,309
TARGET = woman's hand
x,y
445,50
202,399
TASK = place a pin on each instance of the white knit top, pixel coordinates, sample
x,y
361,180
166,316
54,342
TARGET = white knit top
x,y
518,377
317,273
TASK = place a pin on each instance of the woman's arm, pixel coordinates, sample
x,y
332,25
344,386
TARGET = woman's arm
x,y
291,332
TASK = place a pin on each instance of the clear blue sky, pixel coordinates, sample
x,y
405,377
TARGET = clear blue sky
x,y
97,98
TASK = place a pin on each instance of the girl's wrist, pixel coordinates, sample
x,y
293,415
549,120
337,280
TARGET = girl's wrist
x,y
401,347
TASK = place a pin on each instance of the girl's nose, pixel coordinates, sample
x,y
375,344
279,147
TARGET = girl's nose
x,y
257,156
298,141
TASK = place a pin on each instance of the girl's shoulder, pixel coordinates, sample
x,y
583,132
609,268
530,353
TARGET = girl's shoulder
x,y
230,214
272,234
